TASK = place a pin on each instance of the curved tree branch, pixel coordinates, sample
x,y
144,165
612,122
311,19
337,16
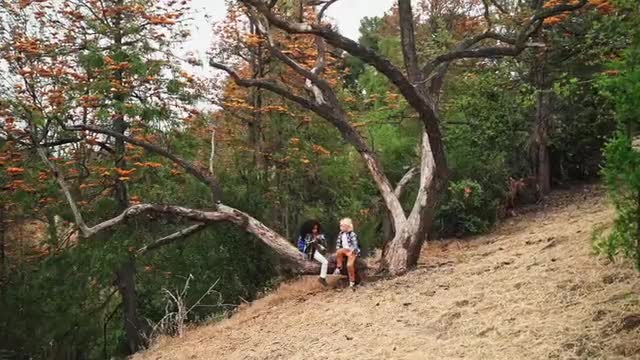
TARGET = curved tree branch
x,y
519,42
205,177
270,85
408,39
402,184
498,6
383,65
335,115
179,235
222,213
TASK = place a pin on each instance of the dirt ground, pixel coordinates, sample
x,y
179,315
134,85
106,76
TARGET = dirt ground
x,y
531,289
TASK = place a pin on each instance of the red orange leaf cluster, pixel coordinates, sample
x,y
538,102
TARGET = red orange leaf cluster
x,y
148,164
14,171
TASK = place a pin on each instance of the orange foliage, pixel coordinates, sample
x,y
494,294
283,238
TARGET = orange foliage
x,y
119,66
160,20
605,8
28,46
14,171
148,164
320,150
123,172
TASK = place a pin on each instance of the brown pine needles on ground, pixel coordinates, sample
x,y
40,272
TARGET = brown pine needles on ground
x,y
532,289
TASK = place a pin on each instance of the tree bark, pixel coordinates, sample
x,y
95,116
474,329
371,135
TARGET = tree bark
x,y
638,230
2,250
255,126
126,283
403,251
125,274
543,115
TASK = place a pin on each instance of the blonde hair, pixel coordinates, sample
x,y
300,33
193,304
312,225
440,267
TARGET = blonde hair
x,y
347,222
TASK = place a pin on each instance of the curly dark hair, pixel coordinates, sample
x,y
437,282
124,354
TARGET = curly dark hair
x,y
308,225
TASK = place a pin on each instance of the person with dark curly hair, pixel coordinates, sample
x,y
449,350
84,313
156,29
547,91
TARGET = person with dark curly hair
x,y
313,243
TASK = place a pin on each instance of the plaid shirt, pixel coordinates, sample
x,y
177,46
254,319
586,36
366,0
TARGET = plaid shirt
x,y
352,241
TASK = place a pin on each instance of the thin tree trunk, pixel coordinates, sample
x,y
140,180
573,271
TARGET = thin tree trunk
x,y
212,154
2,251
255,126
542,129
125,274
638,230
126,283
543,115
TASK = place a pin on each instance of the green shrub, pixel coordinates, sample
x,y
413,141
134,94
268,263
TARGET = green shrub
x,y
467,209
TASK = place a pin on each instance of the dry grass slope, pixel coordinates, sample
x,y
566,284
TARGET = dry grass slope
x,y
529,290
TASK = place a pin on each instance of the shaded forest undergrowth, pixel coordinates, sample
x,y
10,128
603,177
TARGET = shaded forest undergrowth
x,y
530,289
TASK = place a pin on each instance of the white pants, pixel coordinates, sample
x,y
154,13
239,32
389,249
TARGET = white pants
x,y
324,263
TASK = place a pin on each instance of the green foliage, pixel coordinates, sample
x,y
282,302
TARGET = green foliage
x,y
464,211
296,167
583,121
622,176
485,136
622,154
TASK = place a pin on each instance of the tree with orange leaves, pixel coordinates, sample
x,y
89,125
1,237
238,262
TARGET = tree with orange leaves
x,y
420,85
104,65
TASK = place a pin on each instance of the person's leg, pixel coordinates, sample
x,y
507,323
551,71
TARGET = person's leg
x,y
351,266
339,257
324,264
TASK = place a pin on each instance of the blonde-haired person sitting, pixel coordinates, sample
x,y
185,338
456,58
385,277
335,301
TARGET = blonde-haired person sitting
x,y
347,245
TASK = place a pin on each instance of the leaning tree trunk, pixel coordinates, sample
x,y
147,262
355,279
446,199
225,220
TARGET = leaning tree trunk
x,y
403,251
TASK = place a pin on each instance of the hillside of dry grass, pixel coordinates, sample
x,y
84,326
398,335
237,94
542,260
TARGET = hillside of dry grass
x,y
531,289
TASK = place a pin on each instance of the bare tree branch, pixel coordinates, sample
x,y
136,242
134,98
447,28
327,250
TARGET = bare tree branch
x,y
408,39
405,180
85,231
179,235
501,8
313,82
270,85
201,175
60,142
336,116
487,13
519,43
383,65
324,8
222,213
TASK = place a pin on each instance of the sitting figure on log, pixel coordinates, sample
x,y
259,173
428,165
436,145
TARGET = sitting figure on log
x,y
312,243
347,246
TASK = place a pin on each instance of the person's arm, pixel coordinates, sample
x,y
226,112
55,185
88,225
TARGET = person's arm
x,y
322,242
354,242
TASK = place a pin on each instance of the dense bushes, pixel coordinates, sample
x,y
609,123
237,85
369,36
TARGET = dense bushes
x,y
622,153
